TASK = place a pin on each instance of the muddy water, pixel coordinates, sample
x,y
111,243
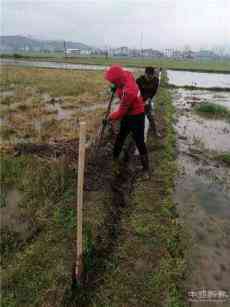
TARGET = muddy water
x,y
9,210
207,134
203,194
195,131
10,213
2,121
64,113
59,112
201,96
182,78
4,94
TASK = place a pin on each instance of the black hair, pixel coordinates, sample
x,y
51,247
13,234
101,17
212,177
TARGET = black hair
x,y
149,70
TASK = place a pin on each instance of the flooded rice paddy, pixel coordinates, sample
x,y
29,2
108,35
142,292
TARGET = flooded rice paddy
x,y
179,78
212,134
45,118
202,189
201,96
40,116
183,78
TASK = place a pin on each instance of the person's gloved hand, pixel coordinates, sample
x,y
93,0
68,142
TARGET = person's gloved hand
x,y
113,88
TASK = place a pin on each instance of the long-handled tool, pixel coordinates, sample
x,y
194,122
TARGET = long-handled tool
x,y
104,123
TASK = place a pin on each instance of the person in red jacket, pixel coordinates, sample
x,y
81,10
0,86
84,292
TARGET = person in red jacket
x,y
130,111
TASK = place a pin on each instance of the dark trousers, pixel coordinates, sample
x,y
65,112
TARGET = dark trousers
x,y
134,124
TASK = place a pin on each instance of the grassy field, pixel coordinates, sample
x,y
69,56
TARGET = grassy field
x,y
37,242
39,190
55,83
134,253
222,66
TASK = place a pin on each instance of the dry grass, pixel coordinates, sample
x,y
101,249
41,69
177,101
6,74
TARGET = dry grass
x,y
56,82
33,89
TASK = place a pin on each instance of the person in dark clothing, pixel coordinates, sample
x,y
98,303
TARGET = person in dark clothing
x,y
136,126
148,85
130,112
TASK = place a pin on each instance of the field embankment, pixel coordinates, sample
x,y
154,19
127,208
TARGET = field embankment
x,y
139,259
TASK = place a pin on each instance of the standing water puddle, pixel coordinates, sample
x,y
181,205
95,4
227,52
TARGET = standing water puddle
x,y
60,113
10,212
203,191
5,94
64,113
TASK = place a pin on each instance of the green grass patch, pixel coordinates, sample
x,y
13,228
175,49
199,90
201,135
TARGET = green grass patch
x,y
213,110
37,268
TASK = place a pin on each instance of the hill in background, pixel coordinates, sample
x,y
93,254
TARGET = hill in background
x,y
19,43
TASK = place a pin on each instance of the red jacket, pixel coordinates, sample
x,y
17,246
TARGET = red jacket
x,y
131,101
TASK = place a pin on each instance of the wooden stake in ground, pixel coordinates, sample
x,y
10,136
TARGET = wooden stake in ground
x,y
81,164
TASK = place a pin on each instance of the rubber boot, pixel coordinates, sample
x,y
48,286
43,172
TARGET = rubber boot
x,y
145,165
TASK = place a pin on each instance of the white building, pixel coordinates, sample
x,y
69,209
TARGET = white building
x,y
85,52
73,51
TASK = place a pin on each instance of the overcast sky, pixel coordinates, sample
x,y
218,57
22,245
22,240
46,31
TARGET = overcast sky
x,y
164,23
